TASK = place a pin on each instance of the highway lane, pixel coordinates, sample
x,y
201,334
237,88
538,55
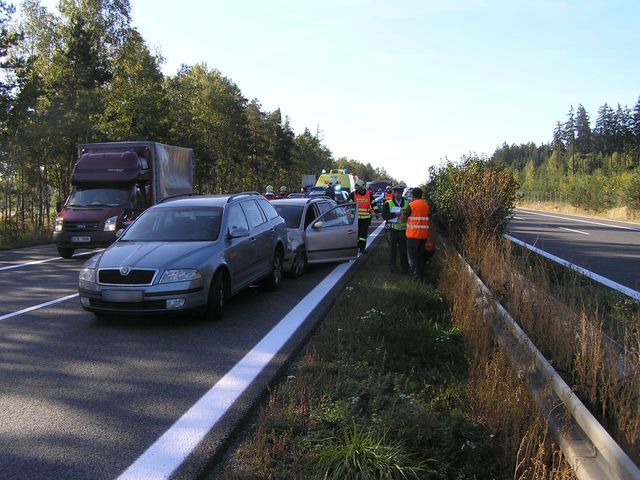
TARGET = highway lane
x,y
82,397
608,248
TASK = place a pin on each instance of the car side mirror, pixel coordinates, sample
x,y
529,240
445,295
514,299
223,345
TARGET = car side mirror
x,y
238,233
119,232
58,206
319,224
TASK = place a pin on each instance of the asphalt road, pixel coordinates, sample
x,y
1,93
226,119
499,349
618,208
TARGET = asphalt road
x,y
83,398
609,248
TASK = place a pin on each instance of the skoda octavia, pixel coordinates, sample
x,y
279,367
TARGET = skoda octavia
x,y
188,253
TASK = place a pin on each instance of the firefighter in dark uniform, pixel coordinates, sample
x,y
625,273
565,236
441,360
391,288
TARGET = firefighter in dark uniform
x,y
366,208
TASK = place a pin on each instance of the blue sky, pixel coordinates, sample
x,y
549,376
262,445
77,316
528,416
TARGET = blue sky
x,y
402,84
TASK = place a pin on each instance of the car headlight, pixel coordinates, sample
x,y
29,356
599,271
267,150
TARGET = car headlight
x,y
110,224
180,275
87,274
57,224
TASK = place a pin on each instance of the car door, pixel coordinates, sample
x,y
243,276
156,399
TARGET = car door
x,y
240,254
333,236
261,236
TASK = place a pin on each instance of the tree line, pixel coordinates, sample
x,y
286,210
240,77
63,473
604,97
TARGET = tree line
x,y
85,74
595,168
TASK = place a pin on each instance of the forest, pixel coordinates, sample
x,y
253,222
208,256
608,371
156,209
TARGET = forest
x,y
596,168
85,74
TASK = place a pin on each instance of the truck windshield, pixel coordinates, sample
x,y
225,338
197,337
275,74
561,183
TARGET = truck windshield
x,y
99,197
186,224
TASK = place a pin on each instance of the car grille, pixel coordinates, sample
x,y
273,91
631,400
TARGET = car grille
x,y
146,305
112,276
80,227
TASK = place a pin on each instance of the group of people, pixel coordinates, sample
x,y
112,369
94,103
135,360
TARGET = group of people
x,y
409,231
271,195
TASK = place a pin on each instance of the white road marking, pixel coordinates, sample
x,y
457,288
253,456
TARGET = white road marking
x,y
518,218
167,453
585,221
35,307
587,273
572,230
35,262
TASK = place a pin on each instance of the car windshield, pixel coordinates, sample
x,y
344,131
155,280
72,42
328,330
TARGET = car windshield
x,y
99,197
291,214
184,224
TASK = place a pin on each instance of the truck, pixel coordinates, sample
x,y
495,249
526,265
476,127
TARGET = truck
x,y
112,183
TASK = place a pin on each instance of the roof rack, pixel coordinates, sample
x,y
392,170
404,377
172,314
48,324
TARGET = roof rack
x,y
181,195
231,197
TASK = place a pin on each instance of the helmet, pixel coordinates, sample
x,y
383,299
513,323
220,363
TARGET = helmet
x,y
388,188
269,189
398,188
283,189
360,183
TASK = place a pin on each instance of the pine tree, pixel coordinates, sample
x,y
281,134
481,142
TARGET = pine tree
x,y
570,138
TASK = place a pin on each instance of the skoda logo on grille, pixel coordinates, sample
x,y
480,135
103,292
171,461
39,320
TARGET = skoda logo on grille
x,y
124,271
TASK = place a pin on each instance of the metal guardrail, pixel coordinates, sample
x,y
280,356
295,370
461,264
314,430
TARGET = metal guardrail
x,y
594,276
590,450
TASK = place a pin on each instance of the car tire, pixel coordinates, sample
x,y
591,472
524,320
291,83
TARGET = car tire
x,y
66,252
217,297
274,280
299,263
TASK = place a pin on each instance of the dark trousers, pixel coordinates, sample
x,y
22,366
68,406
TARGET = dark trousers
x,y
398,243
363,231
415,252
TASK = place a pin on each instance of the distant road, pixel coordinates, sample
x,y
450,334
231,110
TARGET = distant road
x,y
605,247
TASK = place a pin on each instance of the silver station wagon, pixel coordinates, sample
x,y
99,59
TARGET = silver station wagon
x,y
318,231
188,253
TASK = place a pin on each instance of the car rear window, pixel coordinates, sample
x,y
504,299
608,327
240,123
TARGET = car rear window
x,y
268,209
291,214
184,224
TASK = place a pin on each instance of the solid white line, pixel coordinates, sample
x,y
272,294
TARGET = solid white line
x,y
584,221
35,262
518,218
35,307
572,230
594,276
167,453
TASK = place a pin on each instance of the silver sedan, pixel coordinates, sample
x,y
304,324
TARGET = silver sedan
x,y
318,231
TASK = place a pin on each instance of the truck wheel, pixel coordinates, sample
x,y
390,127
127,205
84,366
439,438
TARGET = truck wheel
x,y
66,252
274,280
217,296
299,264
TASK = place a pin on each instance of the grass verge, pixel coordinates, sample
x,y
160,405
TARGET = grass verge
x,y
384,390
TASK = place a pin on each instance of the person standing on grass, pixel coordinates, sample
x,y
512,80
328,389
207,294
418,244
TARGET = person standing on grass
x,y
366,208
392,211
418,224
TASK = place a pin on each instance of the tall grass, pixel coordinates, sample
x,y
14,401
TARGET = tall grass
x,y
566,318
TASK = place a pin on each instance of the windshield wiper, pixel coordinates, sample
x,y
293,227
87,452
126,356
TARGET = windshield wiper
x,y
76,205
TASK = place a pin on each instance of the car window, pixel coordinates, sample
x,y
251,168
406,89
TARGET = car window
x,y
324,206
311,215
268,209
236,218
291,214
254,215
175,225
339,216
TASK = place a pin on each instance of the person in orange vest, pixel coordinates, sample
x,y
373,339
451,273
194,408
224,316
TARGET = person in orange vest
x,y
366,208
418,231
269,194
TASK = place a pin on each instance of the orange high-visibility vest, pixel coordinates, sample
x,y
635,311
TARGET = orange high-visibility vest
x,y
388,196
364,203
418,223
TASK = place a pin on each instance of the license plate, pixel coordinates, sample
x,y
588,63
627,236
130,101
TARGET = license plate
x,y
80,239
122,295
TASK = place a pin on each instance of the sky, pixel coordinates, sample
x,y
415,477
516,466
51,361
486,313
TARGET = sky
x,y
403,84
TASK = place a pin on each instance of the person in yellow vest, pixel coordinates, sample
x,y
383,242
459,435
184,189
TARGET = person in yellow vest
x,y
392,211
366,208
418,230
